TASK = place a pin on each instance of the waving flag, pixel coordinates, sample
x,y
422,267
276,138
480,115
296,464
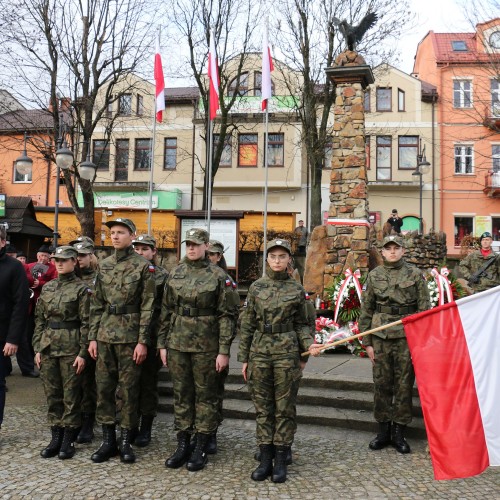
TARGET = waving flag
x,y
267,67
160,84
213,76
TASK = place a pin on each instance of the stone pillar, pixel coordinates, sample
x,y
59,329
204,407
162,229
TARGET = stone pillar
x,y
343,242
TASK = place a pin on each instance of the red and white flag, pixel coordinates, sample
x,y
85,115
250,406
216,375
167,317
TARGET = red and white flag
x,y
213,77
160,84
455,350
267,67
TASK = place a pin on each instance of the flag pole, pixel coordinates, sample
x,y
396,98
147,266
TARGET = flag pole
x,y
209,176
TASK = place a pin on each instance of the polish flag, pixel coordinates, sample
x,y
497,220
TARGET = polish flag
x,y
267,67
160,84
213,76
456,354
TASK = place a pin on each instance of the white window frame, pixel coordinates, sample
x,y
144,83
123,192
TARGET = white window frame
x,y
495,97
495,158
460,93
27,178
463,158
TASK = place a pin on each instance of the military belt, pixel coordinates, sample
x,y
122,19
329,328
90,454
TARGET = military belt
x,y
276,327
114,309
193,312
396,310
62,325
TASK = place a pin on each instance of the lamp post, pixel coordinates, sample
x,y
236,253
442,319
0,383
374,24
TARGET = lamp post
x,y
422,169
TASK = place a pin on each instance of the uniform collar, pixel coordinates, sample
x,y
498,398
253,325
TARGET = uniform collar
x,y
67,276
197,264
394,265
277,275
123,253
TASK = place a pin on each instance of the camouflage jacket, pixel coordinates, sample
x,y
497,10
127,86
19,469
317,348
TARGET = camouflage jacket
x,y
196,314
473,263
161,276
275,319
122,303
89,276
397,284
63,300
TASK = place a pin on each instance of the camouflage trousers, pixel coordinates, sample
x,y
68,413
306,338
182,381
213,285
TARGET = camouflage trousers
x,y
273,382
115,367
89,388
148,385
393,379
219,387
63,389
195,395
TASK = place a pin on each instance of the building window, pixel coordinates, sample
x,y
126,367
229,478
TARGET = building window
x,y
384,157
328,151
401,100
101,154
384,99
109,110
258,84
495,228
170,161
247,150
462,94
139,105
463,227
463,159
495,158
367,101
275,150
19,178
121,160
367,152
239,86
407,152
125,105
495,97
226,159
142,154
459,46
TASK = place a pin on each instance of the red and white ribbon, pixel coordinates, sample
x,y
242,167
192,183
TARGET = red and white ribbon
x,y
349,276
443,285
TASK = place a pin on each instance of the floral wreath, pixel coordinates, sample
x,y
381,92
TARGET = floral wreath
x,y
443,287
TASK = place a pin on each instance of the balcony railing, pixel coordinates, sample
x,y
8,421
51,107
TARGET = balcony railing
x,y
492,184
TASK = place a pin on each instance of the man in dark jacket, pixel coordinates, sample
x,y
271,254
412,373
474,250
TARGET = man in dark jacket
x,y
14,301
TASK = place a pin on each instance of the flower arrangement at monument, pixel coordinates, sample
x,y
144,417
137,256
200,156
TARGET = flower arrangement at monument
x,y
443,286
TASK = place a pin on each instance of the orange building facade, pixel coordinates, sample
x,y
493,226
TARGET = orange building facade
x,y
464,67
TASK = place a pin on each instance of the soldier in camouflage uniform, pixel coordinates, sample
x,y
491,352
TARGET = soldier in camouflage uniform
x,y
216,256
275,328
120,315
145,246
478,259
392,291
60,343
196,328
88,269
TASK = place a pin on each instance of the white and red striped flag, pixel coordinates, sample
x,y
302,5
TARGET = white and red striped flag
x,y
267,67
160,83
213,77
455,350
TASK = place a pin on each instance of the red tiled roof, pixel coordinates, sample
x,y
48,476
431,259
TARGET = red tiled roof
x,y
181,93
26,119
443,48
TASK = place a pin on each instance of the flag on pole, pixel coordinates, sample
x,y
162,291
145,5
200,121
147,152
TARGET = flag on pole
x,y
267,67
160,83
213,76
455,350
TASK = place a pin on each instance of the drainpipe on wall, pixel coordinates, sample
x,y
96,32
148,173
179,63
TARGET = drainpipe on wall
x,y
192,154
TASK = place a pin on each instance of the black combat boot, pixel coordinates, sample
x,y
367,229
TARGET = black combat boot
x,y
383,438
398,438
108,446
182,452
279,469
212,444
86,433
143,438
289,459
127,454
67,449
265,469
199,458
54,446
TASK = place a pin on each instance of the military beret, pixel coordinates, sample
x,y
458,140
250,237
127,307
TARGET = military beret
x,y
122,222
84,247
279,243
145,239
65,252
82,239
486,234
393,239
215,247
197,235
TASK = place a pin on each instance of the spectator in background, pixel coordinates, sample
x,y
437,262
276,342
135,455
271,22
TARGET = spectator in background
x,y
395,221
21,257
301,232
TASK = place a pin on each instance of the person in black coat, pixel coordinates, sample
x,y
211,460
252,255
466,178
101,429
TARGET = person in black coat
x,y
14,302
395,221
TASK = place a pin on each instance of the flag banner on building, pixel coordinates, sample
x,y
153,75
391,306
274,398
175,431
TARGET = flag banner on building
x,y
455,350
160,84
213,77
267,68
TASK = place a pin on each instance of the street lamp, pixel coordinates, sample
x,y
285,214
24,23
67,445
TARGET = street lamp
x,y
422,169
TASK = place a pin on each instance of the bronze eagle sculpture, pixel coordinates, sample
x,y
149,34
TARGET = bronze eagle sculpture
x,y
354,34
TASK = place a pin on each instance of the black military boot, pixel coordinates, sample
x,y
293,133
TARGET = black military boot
x,y
265,469
86,433
198,458
398,438
67,449
127,454
383,438
143,438
212,444
52,449
279,469
108,446
182,452
288,460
